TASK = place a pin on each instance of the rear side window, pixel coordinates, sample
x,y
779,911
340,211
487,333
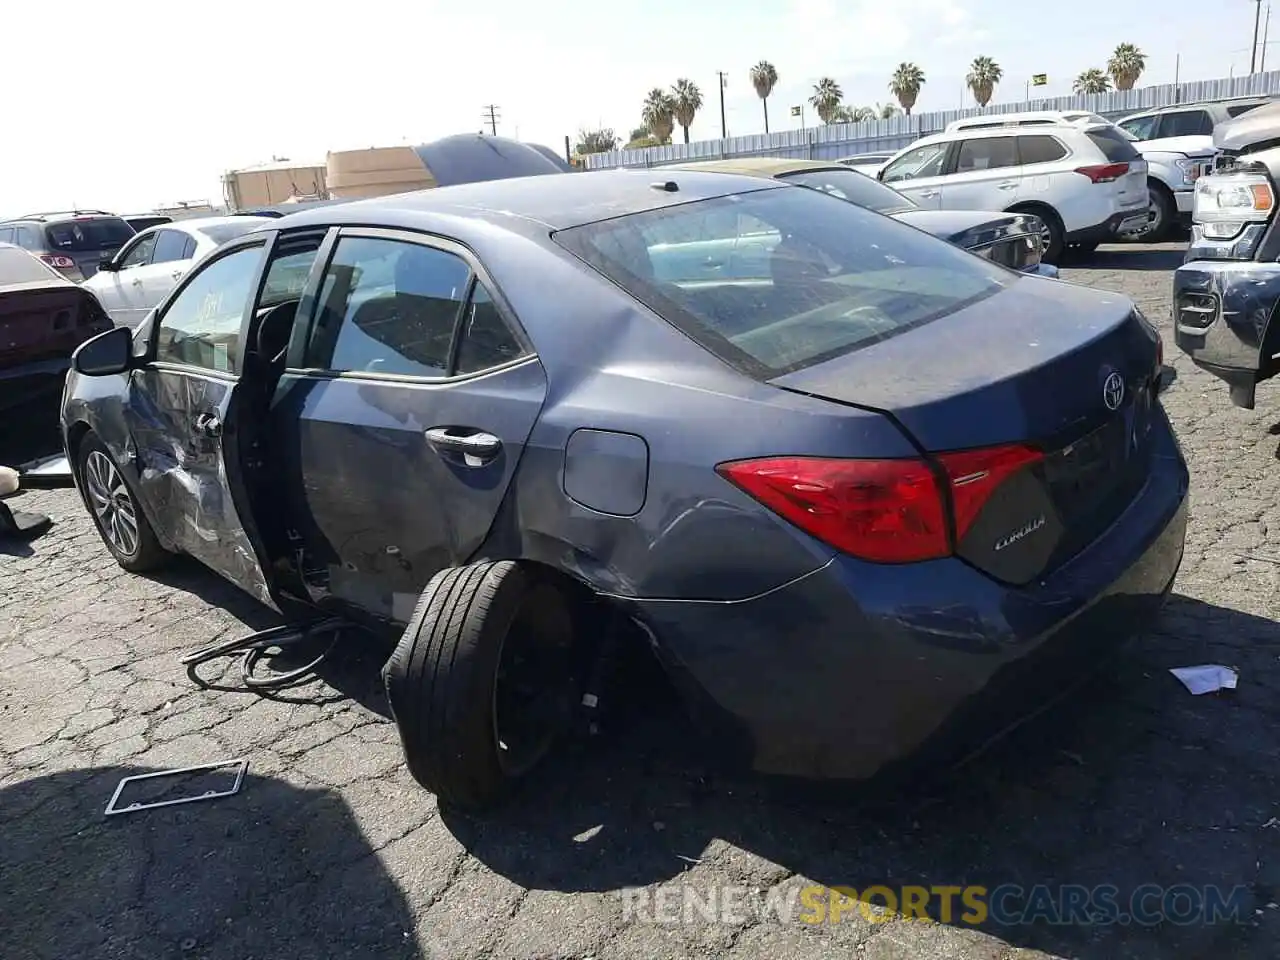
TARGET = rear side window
x,y
170,246
1236,109
88,235
487,341
1114,146
388,307
29,238
986,153
1040,149
800,279
1186,123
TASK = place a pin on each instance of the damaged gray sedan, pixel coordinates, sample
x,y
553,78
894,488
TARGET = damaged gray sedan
x,y
785,442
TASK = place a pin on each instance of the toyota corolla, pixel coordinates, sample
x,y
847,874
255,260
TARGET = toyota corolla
x,y
851,483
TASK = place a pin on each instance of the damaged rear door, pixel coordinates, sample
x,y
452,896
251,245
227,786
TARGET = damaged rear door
x,y
184,413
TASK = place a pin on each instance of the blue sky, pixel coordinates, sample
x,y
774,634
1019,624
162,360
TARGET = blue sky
x,y
129,106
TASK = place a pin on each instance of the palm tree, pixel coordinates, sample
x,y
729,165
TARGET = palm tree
x,y
1126,65
886,111
764,78
686,101
1092,80
826,99
984,74
853,115
596,141
905,84
658,114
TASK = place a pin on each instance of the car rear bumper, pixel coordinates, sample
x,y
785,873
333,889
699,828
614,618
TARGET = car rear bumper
x,y
857,668
1126,221
1221,313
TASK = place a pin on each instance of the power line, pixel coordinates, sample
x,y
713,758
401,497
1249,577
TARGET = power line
x,y
491,117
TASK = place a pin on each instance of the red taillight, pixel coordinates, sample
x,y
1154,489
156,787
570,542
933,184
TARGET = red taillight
x,y
1104,172
61,263
887,511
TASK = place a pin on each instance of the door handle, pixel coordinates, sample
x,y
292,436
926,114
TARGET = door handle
x,y
475,445
928,194
208,425
1008,185
136,283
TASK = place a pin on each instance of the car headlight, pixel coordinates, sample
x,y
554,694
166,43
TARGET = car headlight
x,y
1190,168
1225,203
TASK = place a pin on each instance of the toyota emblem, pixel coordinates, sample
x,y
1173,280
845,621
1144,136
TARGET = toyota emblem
x,y
1113,391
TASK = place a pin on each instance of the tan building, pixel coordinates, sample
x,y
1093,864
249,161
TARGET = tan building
x,y
271,183
375,172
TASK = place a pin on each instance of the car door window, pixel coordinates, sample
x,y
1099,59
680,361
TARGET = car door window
x,y
28,238
1040,149
1142,128
169,246
201,326
6,234
923,161
140,253
388,306
987,153
487,341
1186,123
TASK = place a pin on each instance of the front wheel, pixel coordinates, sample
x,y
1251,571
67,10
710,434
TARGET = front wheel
x,y
1164,212
482,682
112,503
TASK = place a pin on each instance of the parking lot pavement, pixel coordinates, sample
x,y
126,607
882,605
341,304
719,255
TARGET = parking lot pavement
x,y
330,850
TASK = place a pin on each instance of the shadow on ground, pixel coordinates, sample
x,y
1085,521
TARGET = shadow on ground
x,y
1124,257
275,871
1133,781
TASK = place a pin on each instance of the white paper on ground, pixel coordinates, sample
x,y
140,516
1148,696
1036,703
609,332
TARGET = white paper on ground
x,y
1206,679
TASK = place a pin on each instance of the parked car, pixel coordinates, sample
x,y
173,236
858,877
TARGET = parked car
x,y
131,283
1226,293
1010,239
140,222
868,163
43,318
73,243
1088,184
1188,119
845,504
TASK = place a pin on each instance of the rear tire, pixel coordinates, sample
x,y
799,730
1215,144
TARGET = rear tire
x,y
1052,237
450,681
116,511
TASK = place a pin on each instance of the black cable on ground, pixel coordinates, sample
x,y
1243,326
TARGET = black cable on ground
x,y
256,645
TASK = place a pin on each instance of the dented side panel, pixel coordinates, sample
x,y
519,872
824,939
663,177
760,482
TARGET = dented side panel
x,y
178,423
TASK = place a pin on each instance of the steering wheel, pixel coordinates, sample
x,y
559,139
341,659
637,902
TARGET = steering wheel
x,y
281,315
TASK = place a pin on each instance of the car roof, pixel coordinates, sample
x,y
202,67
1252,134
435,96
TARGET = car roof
x,y
946,136
531,205
58,215
756,166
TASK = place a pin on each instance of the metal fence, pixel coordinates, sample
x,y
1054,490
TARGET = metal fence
x,y
831,141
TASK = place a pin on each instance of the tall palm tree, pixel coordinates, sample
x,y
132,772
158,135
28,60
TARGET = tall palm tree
x,y
826,99
764,78
659,114
905,84
984,74
1092,80
1126,65
686,100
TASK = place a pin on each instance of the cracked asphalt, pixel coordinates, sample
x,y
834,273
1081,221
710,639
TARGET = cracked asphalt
x,y
330,850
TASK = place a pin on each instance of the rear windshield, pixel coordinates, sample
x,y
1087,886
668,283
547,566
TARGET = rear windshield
x,y
1239,108
86,236
855,187
1114,145
778,279
18,266
222,232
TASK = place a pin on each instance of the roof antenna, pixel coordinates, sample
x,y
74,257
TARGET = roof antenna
x,y
668,186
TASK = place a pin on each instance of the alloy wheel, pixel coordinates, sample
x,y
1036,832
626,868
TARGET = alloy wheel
x,y
113,507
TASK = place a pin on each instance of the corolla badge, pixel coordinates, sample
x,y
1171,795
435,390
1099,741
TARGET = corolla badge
x,y
1021,533
1113,391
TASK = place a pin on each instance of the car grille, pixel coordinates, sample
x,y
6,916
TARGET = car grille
x,y
1093,480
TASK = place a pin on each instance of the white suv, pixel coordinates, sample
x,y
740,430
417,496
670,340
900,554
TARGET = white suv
x,y
1086,182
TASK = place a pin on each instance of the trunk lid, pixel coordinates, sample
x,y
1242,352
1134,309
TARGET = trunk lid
x,y
1032,365
40,322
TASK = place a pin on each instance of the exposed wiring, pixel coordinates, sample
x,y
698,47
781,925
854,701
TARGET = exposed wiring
x,y
257,645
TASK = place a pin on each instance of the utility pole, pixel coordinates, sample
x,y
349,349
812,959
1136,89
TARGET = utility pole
x,y
724,132
1257,19
491,117
1266,29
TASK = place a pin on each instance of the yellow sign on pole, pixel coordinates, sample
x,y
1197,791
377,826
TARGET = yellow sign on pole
x,y
1039,79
